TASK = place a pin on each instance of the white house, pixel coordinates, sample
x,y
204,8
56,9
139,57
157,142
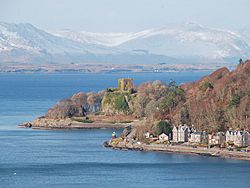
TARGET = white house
x,y
163,137
230,136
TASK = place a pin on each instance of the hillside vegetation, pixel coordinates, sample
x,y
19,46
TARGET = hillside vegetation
x,y
217,102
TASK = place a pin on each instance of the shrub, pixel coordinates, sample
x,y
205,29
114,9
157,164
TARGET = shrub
x,y
184,115
120,103
116,101
82,120
116,141
99,113
127,121
87,121
235,101
111,89
205,85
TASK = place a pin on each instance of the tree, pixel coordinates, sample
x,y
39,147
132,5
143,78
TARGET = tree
x,y
235,101
184,116
240,61
151,108
163,127
205,85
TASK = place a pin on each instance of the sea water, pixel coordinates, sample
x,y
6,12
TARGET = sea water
x,y
76,158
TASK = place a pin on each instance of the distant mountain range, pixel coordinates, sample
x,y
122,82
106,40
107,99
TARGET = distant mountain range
x,y
189,43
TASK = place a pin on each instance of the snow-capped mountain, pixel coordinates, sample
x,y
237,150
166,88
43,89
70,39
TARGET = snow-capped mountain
x,y
26,43
191,41
187,40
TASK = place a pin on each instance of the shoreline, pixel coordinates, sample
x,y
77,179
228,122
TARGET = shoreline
x,y
60,124
212,152
43,123
92,67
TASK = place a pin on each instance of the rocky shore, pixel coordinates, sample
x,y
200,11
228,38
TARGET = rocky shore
x,y
67,123
212,152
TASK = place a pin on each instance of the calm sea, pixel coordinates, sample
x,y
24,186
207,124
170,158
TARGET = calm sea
x,y
33,158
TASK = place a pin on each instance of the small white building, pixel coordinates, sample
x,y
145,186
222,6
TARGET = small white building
x,y
147,135
163,137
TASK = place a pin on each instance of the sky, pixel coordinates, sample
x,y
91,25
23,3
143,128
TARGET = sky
x,y
125,15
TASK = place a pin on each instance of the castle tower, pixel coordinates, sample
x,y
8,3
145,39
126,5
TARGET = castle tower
x,y
125,84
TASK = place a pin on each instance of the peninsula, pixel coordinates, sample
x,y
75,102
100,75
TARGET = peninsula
x,y
207,117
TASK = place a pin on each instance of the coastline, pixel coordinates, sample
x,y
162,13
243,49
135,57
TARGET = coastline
x,y
212,152
50,124
43,123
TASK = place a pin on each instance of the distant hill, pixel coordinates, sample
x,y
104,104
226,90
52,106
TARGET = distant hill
x,y
188,43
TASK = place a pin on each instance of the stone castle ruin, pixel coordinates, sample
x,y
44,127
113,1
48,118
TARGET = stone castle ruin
x,y
125,84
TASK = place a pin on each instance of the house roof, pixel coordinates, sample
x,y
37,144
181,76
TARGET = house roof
x,y
240,133
163,134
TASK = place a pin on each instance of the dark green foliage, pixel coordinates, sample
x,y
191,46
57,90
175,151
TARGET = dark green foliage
x,y
117,101
170,100
120,103
132,91
235,101
180,91
240,61
172,83
111,89
184,116
87,120
157,99
99,113
152,99
127,121
163,127
206,85
172,92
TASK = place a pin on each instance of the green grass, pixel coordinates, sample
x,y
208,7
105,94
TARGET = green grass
x,y
99,113
83,120
87,121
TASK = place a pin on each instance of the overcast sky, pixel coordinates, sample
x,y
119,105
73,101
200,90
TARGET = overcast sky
x,y
125,15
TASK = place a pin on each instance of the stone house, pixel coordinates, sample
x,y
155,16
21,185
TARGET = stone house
x,y
217,139
199,137
181,133
238,138
163,137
